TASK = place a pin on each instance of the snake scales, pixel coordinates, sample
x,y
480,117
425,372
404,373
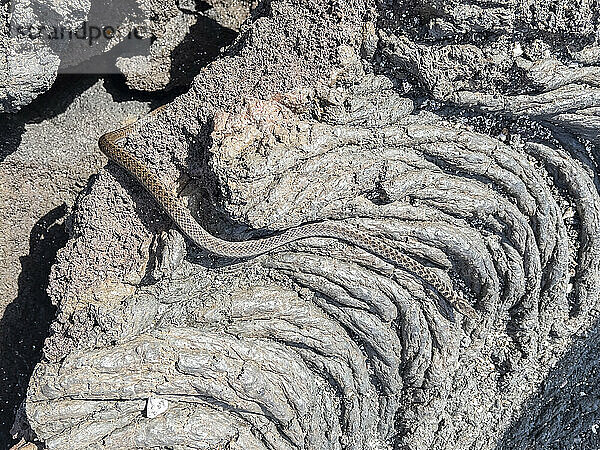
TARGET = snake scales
x,y
177,210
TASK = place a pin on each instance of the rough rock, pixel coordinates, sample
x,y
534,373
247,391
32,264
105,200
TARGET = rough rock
x,y
47,153
429,129
184,40
28,66
156,45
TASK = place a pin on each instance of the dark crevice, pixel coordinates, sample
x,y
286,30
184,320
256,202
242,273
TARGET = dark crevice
x,y
263,9
26,321
116,86
200,7
378,196
10,139
201,45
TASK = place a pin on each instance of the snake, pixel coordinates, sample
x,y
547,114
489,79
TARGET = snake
x,y
177,210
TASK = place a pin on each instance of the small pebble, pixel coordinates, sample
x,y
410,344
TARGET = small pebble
x,y
517,50
156,406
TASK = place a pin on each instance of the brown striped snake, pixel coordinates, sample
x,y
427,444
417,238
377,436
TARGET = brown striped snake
x,y
174,206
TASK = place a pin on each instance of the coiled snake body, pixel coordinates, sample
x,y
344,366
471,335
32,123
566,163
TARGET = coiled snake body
x,y
176,209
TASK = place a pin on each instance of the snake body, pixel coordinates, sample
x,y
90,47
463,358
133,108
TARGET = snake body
x,y
177,210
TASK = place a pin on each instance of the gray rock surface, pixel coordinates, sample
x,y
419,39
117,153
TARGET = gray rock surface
x,y
184,40
28,66
464,135
156,45
47,153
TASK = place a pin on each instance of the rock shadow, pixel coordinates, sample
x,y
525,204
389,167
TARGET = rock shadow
x,y
26,321
201,45
55,101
